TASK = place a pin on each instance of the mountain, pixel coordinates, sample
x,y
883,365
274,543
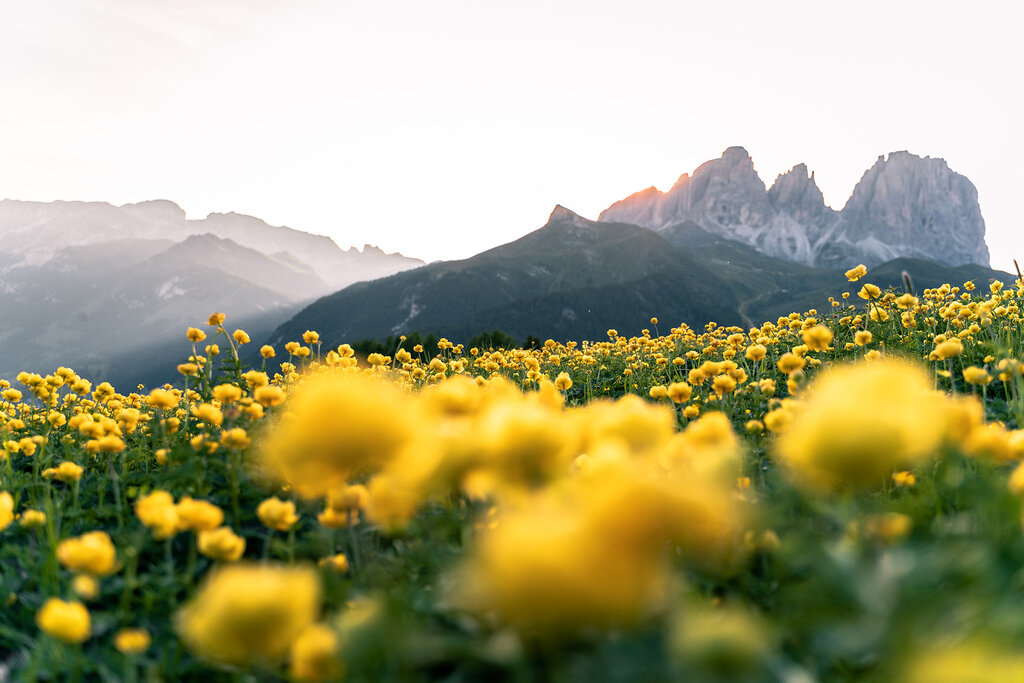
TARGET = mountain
x,y
34,232
903,206
103,288
574,278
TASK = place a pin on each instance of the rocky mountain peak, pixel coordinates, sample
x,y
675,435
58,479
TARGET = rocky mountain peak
x,y
917,206
560,214
795,192
905,205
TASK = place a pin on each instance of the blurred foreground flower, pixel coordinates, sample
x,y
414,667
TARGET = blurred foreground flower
x,y
246,613
860,422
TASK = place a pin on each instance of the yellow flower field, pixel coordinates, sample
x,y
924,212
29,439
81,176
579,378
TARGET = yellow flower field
x,y
833,495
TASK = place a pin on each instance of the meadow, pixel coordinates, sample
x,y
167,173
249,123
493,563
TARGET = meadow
x,y
834,495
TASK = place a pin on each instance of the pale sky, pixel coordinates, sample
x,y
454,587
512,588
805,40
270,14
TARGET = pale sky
x,y
442,128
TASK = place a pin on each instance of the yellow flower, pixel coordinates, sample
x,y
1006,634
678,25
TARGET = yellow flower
x,y
277,514
869,292
65,621
269,396
563,382
590,555
311,337
314,655
227,393
67,472
860,422
658,392
267,351
158,513
856,273
889,527
235,438
976,375
163,399
198,515
338,563
790,363
208,413
194,334
12,395
216,319
723,384
110,444
221,544
6,510
756,352
85,586
188,369
949,348
904,479
240,336
862,338
337,426
679,392
975,660
132,641
817,338
250,613
32,519
91,553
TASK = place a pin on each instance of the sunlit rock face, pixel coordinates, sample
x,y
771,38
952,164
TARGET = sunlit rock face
x,y
907,205
904,205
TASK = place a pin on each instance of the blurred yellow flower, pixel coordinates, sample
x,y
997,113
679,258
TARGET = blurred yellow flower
x,y
269,396
158,513
314,655
976,375
198,515
335,427
277,514
949,348
163,399
337,563
194,334
235,438
67,472
30,519
132,641
227,393
246,614
91,553
221,544
817,338
860,422
6,510
66,621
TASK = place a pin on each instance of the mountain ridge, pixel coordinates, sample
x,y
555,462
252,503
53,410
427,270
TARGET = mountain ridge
x,y
904,205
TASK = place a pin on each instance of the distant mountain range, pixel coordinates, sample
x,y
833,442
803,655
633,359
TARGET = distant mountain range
x,y
574,278
101,287
717,246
